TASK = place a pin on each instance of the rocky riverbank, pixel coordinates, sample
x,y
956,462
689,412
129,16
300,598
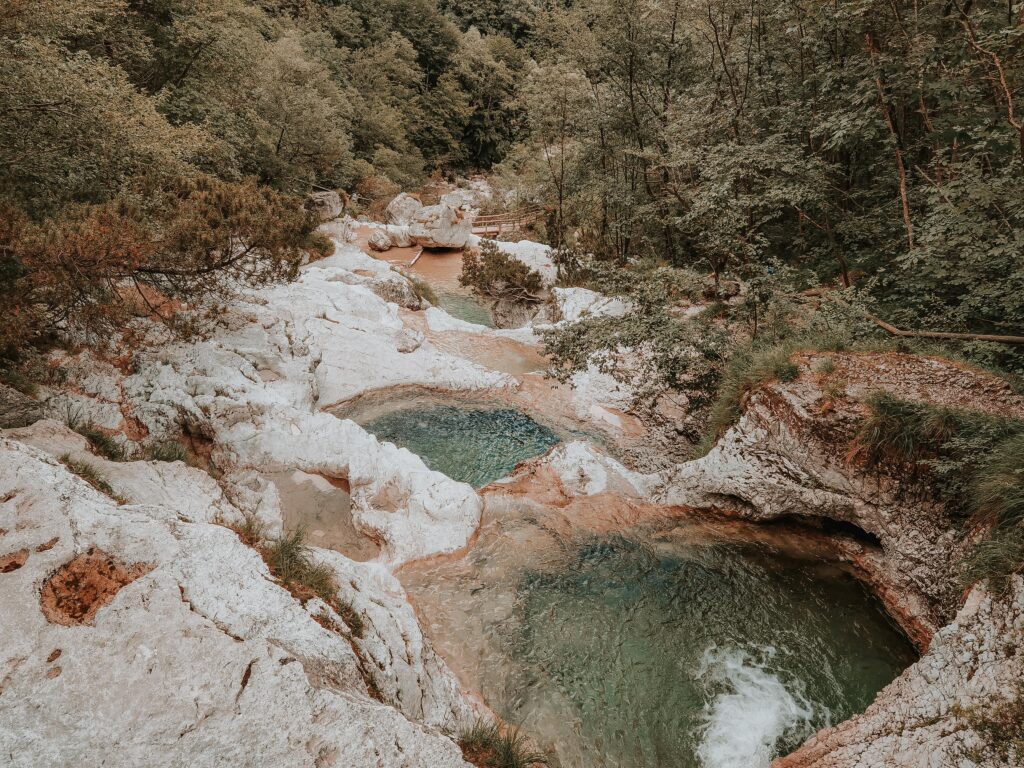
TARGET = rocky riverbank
x,y
129,598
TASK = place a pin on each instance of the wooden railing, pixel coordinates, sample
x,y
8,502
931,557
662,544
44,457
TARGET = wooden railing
x,y
494,225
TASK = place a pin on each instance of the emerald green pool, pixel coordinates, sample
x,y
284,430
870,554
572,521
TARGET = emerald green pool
x,y
673,655
465,306
670,647
472,445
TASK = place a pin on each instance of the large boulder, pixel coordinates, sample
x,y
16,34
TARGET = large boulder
x,y
326,205
16,409
379,240
460,198
399,235
403,209
441,226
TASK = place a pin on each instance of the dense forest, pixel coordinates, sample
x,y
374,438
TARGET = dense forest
x,y
863,159
874,144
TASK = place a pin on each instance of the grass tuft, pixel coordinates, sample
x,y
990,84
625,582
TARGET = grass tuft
x,y
167,451
971,461
746,370
485,745
291,562
89,473
99,441
825,367
251,530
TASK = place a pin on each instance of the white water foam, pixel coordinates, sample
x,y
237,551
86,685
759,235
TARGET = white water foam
x,y
751,709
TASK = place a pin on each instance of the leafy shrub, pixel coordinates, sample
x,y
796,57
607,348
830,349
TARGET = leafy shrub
x,y
484,745
319,245
495,275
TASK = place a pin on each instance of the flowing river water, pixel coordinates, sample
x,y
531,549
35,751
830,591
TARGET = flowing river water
x,y
621,636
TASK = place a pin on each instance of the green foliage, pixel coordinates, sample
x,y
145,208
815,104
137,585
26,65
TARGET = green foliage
x,y
747,369
972,461
855,143
492,274
92,268
485,745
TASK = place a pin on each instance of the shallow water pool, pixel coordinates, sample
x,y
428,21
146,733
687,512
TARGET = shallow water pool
x,y
661,649
472,445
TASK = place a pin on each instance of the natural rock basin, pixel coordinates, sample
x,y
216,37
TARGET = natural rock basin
x,y
472,445
671,646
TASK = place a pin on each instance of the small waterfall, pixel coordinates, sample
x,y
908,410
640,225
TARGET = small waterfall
x,y
751,709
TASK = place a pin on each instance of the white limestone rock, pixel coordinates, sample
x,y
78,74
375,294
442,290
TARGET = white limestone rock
x,y
441,226
256,389
584,471
379,240
403,209
202,660
399,235
576,304
327,205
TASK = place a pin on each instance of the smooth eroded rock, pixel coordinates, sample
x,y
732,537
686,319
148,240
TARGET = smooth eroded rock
x,y
380,241
403,209
441,226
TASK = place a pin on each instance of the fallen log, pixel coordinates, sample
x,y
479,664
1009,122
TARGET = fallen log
x,y
892,329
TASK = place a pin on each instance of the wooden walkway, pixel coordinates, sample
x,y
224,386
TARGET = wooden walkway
x,y
496,224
